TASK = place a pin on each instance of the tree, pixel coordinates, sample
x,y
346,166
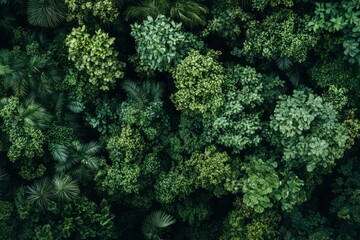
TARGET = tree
x,y
86,50
46,13
281,34
308,131
340,16
161,44
84,10
199,80
234,126
154,222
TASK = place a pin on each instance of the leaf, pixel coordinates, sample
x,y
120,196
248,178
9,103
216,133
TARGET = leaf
x,y
46,13
60,153
65,188
155,220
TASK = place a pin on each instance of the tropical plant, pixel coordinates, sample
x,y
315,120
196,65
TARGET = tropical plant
x,y
65,189
77,158
308,130
144,92
155,222
234,126
43,192
228,20
46,13
189,12
40,193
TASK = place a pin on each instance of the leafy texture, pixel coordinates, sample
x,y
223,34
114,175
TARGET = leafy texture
x,y
84,10
154,222
281,34
199,80
308,131
161,44
46,13
86,51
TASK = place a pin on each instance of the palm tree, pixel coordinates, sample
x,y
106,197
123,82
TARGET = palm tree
x,y
189,12
76,159
32,114
2,175
65,188
43,192
46,13
144,92
26,75
155,222
13,72
40,193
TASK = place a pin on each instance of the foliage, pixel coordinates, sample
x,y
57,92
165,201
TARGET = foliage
x,y
154,222
199,80
83,10
346,187
309,131
76,159
42,192
340,16
199,124
227,18
233,126
261,4
210,168
46,13
339,74
244,224
281,34
161,44
190,13
86,50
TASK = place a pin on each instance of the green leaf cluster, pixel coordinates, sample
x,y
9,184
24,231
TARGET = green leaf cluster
x,y
95,56
161,44
281,34
84,10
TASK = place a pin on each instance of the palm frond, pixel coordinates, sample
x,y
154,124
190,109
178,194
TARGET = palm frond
x,y
46,13
146,8
36,63
40,193
75,106
189,13
284,63
90,148
294,76
34,115
60,153
147,91
65,188
14,72
133,91
59,103
91,162
3,175
156,221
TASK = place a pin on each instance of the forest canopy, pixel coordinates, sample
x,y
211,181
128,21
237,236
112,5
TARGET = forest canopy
x,y
179,119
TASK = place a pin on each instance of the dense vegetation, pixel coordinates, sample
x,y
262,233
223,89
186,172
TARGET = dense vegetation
x,y
179,119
